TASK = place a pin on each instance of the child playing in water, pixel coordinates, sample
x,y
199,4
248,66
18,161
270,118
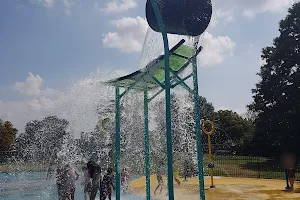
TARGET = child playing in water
x,y
159,174
288,162
68,177
107,185
176,175
125,178
87,183
59,182
95,173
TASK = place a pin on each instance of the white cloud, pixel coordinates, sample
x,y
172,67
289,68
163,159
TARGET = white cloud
x,y
261,6
41,103
221,16
238,111
129,34
250,9
68,5
77,105
46,3
215,49
119,6
32,86
223,11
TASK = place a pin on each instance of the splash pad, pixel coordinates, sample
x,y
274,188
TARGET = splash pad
x,y
163,72
228,189
160,74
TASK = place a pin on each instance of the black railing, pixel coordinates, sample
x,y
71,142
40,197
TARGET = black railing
x,y
247,167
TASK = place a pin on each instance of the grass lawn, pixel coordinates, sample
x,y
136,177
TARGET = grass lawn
x,y
246,166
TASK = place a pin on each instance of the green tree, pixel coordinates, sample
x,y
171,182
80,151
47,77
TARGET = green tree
x,y
1,134
206,109
7,135
42,139
231,127
276,96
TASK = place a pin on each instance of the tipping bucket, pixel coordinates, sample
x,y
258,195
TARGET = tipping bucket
x,y
182,17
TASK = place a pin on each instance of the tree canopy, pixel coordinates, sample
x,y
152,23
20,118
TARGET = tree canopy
x,y
276,96
42,138
232,129
7,135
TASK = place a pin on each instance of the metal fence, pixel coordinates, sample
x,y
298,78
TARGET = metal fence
x,y
247,167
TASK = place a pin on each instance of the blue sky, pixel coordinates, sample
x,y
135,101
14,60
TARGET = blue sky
x,y
62,40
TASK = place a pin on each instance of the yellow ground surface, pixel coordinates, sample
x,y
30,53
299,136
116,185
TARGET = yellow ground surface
x,y
226,188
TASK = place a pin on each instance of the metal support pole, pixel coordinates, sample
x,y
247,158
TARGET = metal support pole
x,y
118,138
168,98
147,147
155,95
182,80
182,83
198,128
210,161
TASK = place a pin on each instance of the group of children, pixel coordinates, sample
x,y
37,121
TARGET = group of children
x,y
94,180
66,177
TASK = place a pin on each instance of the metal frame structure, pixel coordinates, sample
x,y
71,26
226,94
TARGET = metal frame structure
x,y
171,80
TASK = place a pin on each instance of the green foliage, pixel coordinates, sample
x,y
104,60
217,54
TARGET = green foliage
x,y
7,135
235,127
1,134
42,139
206,109
276,96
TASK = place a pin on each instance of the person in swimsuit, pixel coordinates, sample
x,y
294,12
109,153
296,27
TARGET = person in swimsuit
x,y
67,181
86,183
159,174
95,173
125,179
176,175
288,162
59,178
107,185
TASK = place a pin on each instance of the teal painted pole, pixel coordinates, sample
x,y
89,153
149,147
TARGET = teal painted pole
x,y
168,99
118,138
147,146
198,127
